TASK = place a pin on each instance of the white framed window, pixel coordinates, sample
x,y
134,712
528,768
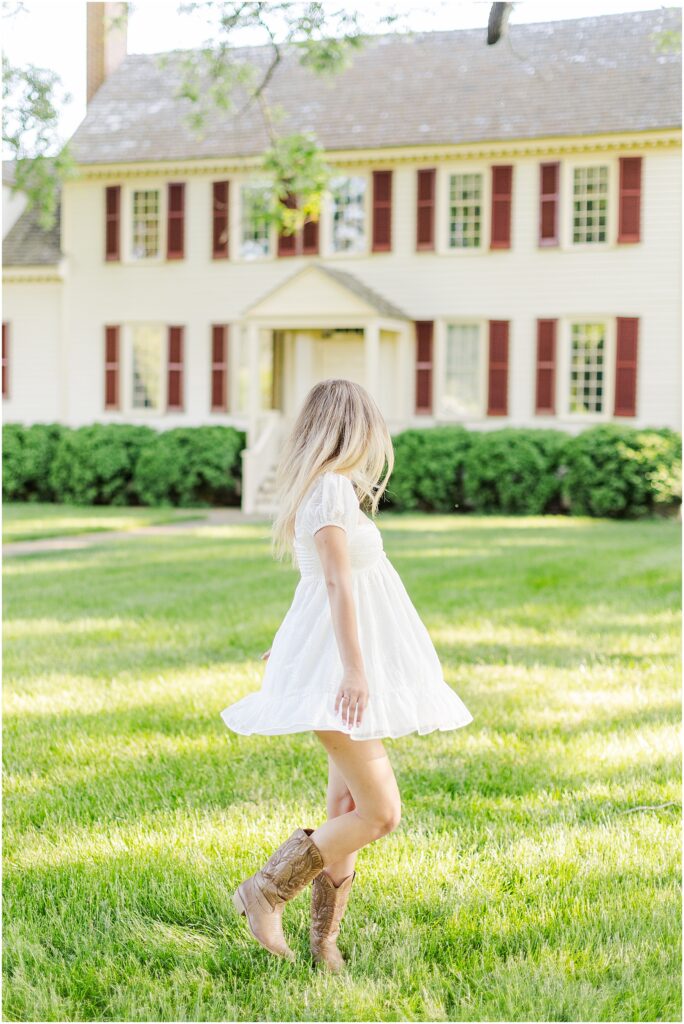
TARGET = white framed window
x,y
255,229
348,214
462,377
146,221
590,197
587,373
144,368
466,210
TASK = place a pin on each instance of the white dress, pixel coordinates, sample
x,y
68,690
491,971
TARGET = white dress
x,y
407,691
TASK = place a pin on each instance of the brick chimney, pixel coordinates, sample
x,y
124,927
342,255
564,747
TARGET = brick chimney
x,y
106,42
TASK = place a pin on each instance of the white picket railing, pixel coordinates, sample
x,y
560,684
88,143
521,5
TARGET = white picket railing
x,y
260,458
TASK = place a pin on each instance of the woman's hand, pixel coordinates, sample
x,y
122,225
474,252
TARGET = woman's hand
x,y
352,697
265,655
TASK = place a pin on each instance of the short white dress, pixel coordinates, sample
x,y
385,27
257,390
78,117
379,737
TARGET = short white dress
x,y
302,675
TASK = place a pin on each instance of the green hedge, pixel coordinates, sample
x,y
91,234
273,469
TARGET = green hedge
x,y
428,468
515,471
122,464
190,466
95,465
608,470
623,471
27,455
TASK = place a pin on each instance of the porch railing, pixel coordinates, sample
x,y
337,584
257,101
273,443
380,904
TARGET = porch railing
x,y
259,459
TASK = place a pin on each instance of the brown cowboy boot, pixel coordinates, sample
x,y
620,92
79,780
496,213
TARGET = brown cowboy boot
x,y
261,897
328,903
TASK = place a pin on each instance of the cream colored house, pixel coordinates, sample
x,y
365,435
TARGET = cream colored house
x,y
500,245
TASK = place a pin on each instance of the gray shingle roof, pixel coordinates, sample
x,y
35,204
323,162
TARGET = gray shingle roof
x,y
573,77
28,244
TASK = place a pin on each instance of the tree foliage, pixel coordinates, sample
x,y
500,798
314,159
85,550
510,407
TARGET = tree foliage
x,y
222,75
31,106
218,75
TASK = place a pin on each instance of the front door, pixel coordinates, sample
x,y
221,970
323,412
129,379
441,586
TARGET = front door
x,y
339,354
307,357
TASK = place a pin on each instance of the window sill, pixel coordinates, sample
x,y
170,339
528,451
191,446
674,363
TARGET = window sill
x,y
580,417
344,255
475,250
158,261
589,246
246,260
449,419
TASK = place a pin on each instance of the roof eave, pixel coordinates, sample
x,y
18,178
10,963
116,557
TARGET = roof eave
x,y
16,273
531,146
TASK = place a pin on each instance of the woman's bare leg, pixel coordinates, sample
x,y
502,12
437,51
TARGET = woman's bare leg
x,y
340,801
366,769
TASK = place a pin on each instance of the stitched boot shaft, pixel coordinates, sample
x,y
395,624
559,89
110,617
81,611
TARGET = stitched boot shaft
x,y
328,904
261,897
290,868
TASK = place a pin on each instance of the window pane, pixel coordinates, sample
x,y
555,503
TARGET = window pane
x,y
145,223
590,204
465,210
587,358
146,355
461,394
348,214
255,229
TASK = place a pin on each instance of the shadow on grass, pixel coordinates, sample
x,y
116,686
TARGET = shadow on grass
x,y
160,910
132,765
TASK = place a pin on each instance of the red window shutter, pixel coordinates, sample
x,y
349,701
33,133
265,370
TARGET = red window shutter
x,y
497,404
629,227
219,368
175,221
174,398
549,184
425,209
113,222
626,366
112,367
382,211
287,244
546,366
424,333
219,243
502,191
5,359
310,238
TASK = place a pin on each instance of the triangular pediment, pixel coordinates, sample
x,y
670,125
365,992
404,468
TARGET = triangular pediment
x,y
324,292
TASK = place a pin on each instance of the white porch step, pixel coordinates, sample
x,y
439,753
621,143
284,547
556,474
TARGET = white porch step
x,y
265,497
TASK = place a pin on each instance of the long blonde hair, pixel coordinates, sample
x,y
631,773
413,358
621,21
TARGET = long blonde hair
x,y
339,429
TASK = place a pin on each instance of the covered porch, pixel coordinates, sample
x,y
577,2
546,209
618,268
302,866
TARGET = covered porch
x,y
318,324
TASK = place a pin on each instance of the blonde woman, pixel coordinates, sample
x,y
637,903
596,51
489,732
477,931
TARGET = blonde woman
x,y
351,661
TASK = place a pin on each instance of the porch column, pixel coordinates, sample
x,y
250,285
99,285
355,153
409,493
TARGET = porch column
x,y
371,340
406,369
254,397
303,366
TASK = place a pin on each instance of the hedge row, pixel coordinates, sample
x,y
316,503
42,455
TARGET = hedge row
x,y
608,470
120,464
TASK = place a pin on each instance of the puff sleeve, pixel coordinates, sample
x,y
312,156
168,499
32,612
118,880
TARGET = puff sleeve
x,y
333,502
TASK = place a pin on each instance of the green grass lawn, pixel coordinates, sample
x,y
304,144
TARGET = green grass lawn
x,y
523,882
35,521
